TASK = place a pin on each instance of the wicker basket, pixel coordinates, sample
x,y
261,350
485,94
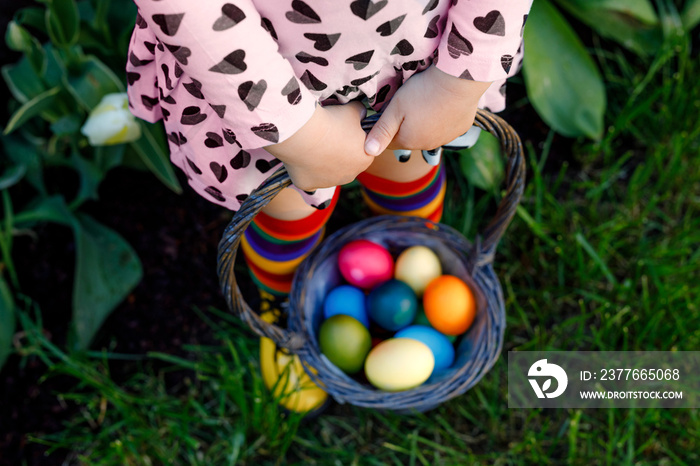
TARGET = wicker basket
x,y
318,274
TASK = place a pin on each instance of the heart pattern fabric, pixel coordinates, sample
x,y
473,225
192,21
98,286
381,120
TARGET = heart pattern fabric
x,y
232,77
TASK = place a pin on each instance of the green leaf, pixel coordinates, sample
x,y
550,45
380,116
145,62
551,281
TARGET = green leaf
x,y
482,164
66,125
155,156
90,178
107,269
22,80
563,83
7,321
92,80
108,157
632,23
691,14
17,38
11,176
47,100
33,17
63,22
46,209
25,155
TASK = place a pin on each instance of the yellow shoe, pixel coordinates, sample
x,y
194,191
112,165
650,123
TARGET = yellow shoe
x,y
282,372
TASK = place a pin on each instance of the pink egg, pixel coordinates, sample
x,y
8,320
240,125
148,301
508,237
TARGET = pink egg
x,y
365,264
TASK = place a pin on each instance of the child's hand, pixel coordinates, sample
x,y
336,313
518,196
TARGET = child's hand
x,y
328,150
432,108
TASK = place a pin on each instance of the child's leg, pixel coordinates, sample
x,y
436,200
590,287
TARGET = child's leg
x,y
404,188
280,237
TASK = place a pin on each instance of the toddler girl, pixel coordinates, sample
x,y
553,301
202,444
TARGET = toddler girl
x,y
243,86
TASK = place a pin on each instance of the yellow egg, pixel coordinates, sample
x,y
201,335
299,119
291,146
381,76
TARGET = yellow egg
x,y
399,364
417,266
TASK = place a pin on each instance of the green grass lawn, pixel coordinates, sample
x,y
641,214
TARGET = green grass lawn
x,y
603,254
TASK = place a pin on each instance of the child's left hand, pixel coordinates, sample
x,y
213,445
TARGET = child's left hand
x,y
432,108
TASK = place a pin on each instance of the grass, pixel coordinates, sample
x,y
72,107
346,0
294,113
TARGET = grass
x,y
602,256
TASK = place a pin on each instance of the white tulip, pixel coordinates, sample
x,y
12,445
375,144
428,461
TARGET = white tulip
x,y
111,122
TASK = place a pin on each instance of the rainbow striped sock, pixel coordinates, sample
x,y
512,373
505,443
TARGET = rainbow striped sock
x,y
273,248
422,197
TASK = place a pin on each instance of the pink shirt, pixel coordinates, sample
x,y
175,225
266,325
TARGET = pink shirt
x,y
229,78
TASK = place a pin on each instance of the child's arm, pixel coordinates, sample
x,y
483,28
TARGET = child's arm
x,y
432,108
236,63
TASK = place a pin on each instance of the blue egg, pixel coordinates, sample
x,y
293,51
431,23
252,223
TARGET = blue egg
x,y
442,349
346,300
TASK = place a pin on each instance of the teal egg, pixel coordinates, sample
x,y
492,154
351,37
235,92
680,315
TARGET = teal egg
x,y
392,305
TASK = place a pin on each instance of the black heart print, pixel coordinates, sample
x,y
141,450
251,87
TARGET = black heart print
x,y
323,42
403,48
430,6
149,102
178,70
264,166
292,91
312,82
168,99
215,193
457,45
169,24
194,88
181,54
166,74
132,77
192,116
361,81
230,137
233,63
267,25
361,60
390,27
242,197
365,9
194,167
136,61
241,160
219,109
251,93
177,138
150,46
267,131
493,23
306,58
219,171
507,62
302,14
140,22
213,140
433,28
230,16
466,75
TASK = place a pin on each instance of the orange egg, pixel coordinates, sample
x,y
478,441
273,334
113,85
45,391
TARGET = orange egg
x,y
449,305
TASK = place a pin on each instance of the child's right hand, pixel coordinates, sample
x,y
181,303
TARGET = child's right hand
x,y
328,150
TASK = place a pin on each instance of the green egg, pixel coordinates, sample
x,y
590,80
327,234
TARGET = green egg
x,y
345,342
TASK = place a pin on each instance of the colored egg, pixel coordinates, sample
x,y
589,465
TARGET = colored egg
x,y
345,342
417,266
443,351
347,300
399,364
365,264
392,305
422,319
449,305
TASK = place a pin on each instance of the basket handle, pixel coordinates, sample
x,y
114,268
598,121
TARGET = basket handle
x,y
485,249
485,246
